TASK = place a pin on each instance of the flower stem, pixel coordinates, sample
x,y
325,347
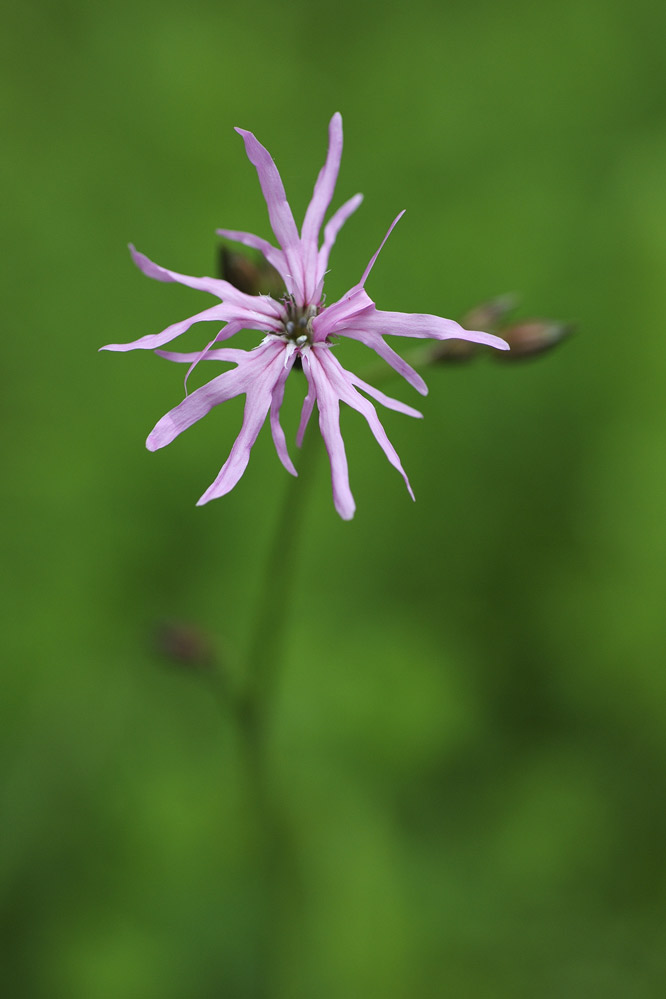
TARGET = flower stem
x,y
275,597
272,855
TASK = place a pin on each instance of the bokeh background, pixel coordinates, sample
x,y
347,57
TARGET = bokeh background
x,y
470,733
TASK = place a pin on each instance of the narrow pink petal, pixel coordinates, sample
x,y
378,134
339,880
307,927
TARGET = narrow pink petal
x,y
367,270
195,406
153,340
224,334
276,426
343,386
223,354
236,318
306,410
351,306
153,270
254,370
259,392
386,400
256,407
321,199
333,227
274,256
329,423
353,303
413,324
197,357
254,304
375,342
279,212
325,183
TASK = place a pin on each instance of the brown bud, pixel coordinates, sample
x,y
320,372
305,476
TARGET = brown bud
x,y
488,316
452,351
184,645
250,277
531,337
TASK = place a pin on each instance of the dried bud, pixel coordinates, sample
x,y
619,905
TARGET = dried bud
x,y
452,351
184,645
249,277
488,316
531,337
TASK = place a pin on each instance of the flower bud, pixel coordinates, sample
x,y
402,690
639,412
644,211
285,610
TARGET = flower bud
x,y
184,645
249,277
452,351
488,316
533,336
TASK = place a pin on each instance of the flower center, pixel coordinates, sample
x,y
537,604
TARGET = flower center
x,y
297,326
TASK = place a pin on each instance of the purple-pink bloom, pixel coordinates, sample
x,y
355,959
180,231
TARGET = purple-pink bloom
x,y
300,326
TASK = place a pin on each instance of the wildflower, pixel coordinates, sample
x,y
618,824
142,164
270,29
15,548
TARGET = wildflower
x,y
299,326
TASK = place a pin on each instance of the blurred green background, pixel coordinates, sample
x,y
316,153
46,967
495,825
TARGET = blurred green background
x,y
470,732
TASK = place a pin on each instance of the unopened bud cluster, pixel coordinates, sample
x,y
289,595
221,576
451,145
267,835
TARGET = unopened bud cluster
x,y
526,338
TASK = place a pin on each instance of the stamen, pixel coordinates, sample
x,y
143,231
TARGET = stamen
x,y
297,324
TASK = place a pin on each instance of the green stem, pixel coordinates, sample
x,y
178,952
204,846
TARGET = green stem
x,y
274,869
275,597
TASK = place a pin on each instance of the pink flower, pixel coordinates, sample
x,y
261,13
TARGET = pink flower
x,y
299,326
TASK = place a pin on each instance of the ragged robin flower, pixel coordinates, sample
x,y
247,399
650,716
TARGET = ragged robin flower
x,y
299,326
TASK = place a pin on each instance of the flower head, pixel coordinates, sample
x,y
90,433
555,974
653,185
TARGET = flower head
x,y
299,326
